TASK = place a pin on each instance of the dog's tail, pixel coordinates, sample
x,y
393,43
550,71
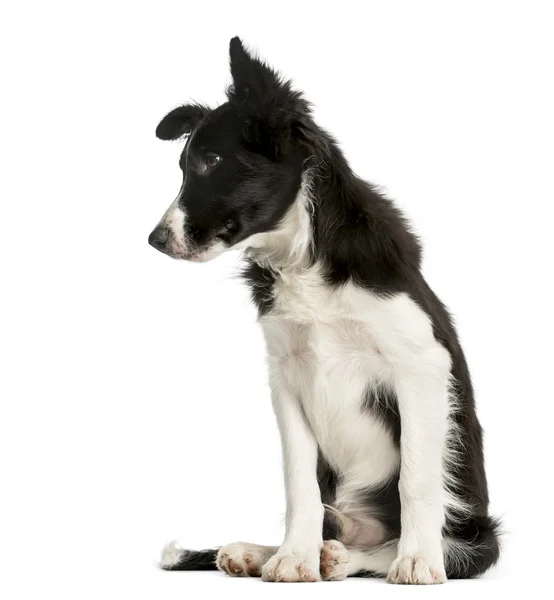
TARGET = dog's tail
x,y
471,546
175,558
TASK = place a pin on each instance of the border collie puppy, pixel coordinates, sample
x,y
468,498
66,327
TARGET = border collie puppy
x,y
382,449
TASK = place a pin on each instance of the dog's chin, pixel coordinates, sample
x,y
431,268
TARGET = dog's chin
x,y
202,255
199,258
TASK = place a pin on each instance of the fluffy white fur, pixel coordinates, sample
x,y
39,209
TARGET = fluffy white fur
x,y
171,554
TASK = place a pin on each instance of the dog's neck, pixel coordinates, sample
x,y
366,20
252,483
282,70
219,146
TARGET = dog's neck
x,y
287,248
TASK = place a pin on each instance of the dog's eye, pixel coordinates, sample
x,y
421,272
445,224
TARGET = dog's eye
x,y
211,161
231,225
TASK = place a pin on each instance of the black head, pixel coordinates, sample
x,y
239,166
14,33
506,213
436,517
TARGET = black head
x,y
242,162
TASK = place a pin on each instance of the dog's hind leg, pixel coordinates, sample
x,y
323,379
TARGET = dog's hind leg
x,y
244,560
470,548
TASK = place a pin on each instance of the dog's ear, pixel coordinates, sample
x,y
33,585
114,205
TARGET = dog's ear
x,y
253,81
180,121
267,102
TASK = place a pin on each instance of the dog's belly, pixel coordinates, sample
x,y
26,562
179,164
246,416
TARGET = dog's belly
x,y
330,366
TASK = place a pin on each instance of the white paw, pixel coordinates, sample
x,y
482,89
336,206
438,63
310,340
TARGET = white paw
x,y
171,555
334,561
242,559
292,566
415,570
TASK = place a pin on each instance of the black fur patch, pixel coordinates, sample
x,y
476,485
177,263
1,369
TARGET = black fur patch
x,y
327,479
381,402
385,504
261,281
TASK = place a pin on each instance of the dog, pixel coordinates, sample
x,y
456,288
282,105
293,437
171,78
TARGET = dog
x,y
382,448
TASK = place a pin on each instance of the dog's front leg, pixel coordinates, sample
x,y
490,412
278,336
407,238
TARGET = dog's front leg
x,y
298,556
422,392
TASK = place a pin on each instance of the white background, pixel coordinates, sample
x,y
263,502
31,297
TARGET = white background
x,y
134,404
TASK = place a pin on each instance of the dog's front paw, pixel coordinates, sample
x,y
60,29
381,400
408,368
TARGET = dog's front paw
x,y
292,566
415,570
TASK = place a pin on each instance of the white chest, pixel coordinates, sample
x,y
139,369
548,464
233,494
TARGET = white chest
x,y
326,353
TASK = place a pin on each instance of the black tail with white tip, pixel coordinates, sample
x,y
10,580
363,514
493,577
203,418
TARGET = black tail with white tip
x,y
175,558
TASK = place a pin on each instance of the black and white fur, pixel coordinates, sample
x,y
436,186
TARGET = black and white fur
x,y
382,448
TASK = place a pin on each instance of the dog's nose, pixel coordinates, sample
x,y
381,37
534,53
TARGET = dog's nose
x,y
159,238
